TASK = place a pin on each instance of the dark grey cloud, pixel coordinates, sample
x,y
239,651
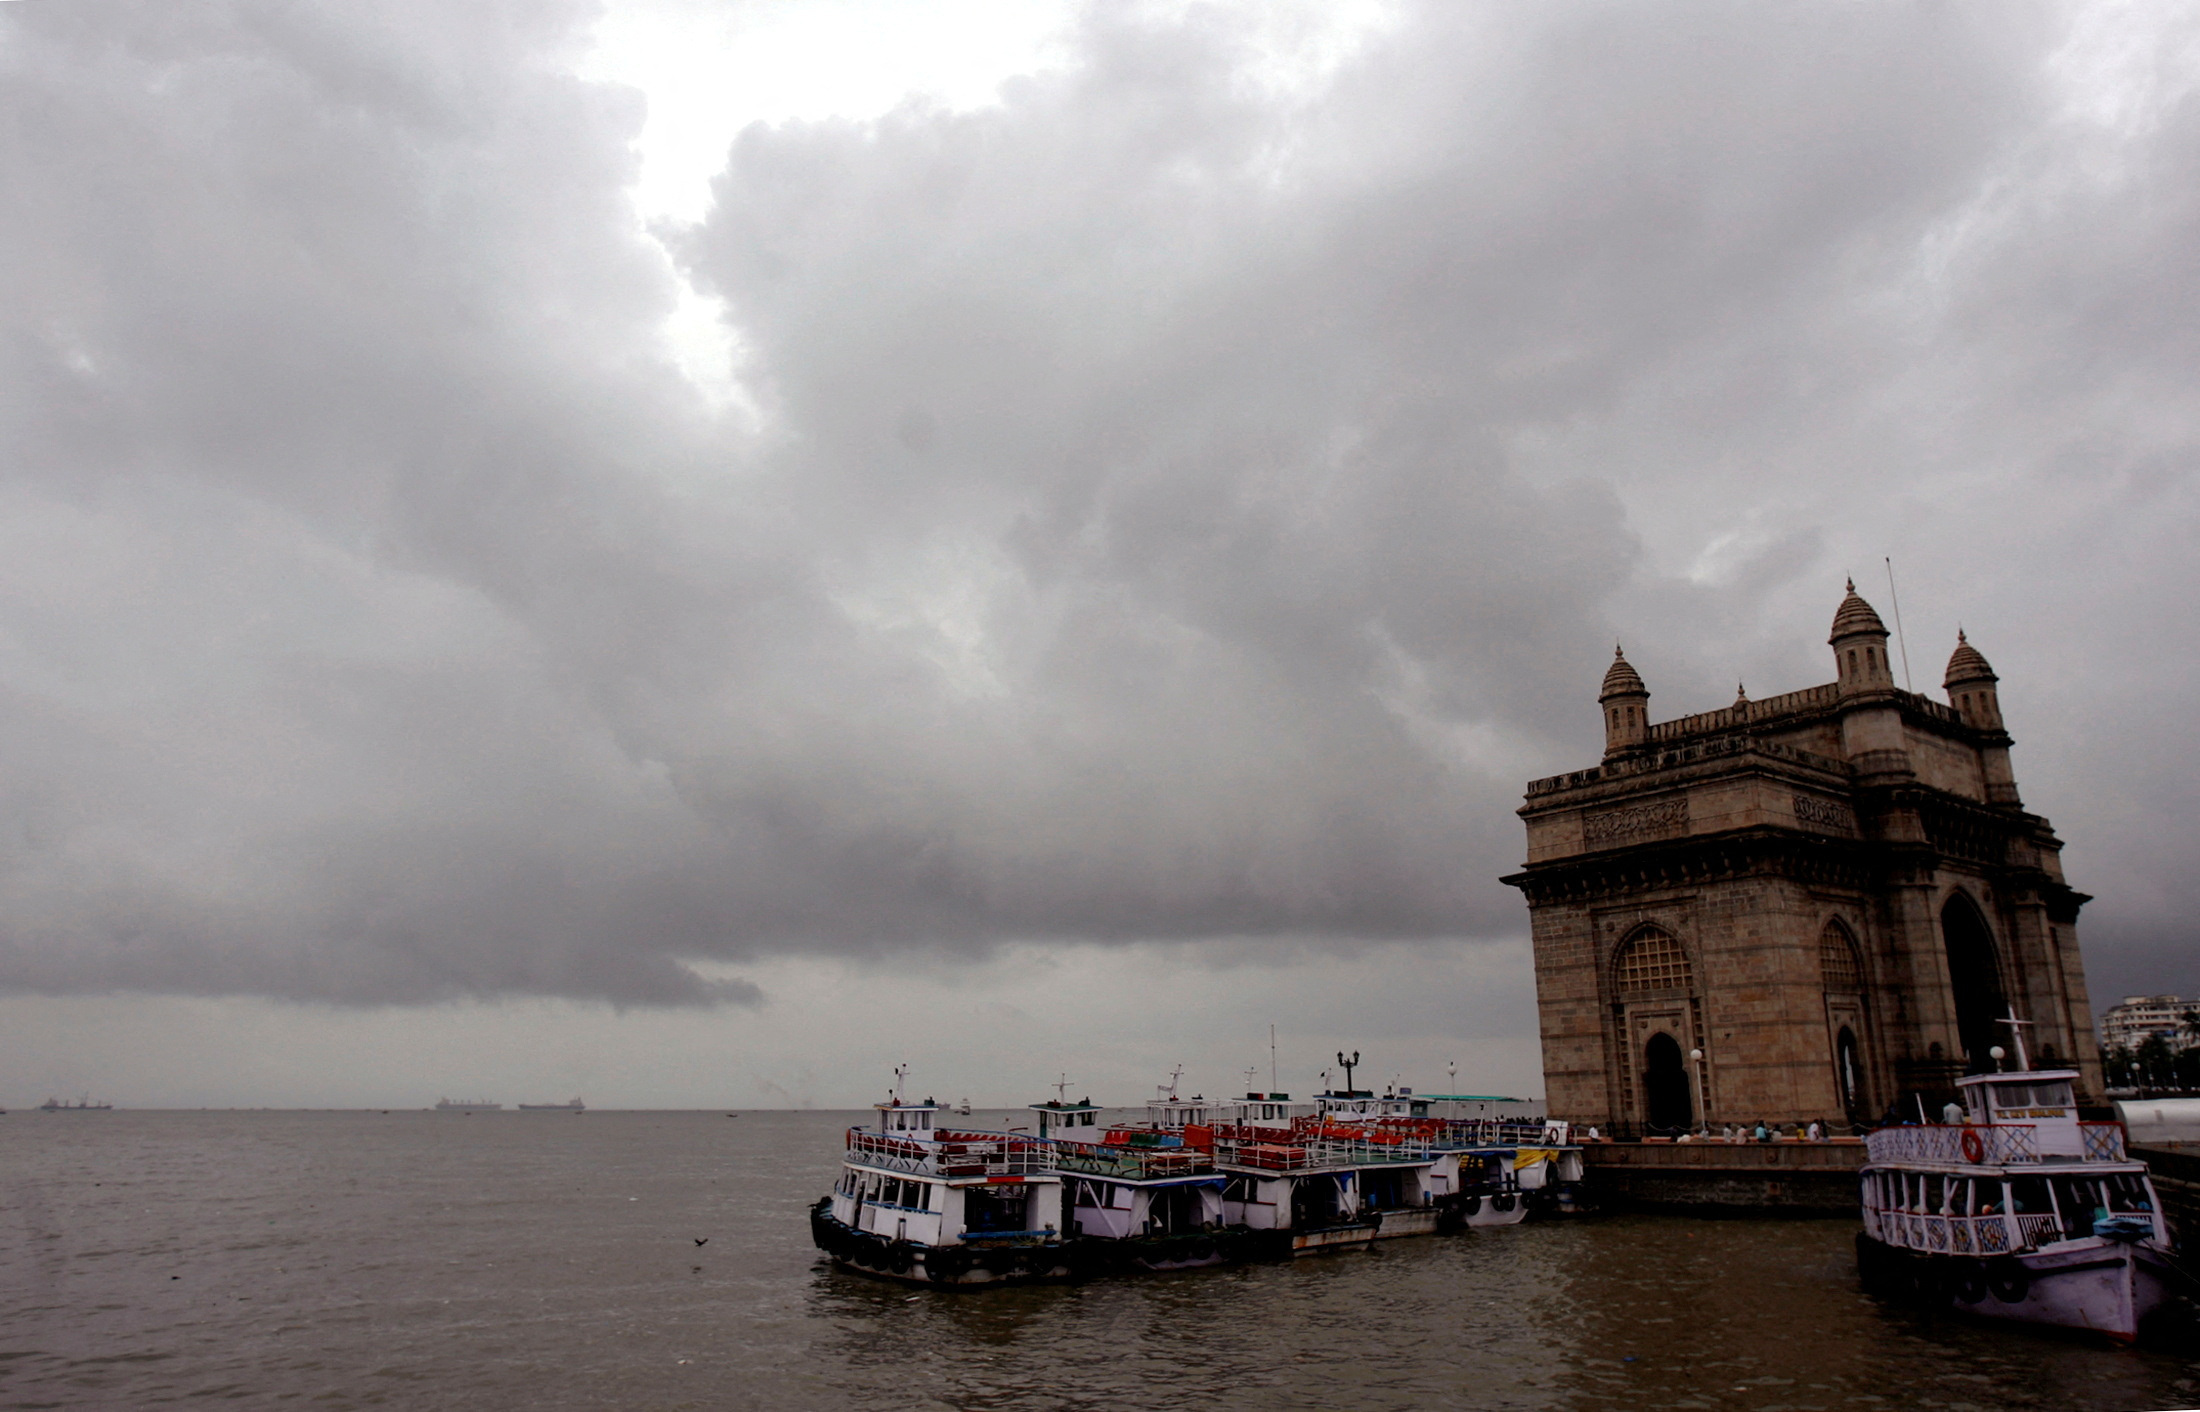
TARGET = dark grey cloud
x,y
1183,506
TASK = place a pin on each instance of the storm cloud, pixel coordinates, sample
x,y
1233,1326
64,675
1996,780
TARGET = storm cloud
x,y
1173,501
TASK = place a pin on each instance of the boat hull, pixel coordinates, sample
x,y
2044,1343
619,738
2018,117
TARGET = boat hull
x,y
957,1266
978,1264
2099,1286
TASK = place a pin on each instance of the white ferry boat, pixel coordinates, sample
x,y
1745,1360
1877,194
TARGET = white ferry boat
x,y
1200,1182
2020,1211
933,1205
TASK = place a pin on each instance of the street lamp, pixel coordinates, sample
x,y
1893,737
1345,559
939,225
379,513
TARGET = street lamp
x,y
1695,1071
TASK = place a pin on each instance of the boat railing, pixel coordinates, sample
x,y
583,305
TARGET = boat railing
x,y
1997,1145
2104,1142
952,1154
1287,1155
1136,1164
1949,1235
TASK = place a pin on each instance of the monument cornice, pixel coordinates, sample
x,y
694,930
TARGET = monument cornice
x,y
1759,850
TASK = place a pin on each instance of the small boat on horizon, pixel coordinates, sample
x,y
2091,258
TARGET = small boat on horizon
x,y
467,1105
571,1105
82,1105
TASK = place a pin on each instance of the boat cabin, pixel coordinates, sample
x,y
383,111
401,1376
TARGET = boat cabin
x,y
1363,1104
2041,1099
913,1119
1074,1122
1272,1110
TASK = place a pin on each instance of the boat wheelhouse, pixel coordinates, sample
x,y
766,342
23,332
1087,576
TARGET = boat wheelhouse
x,y
2018,1211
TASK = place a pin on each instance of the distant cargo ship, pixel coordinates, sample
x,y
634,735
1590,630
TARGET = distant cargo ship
x,y
571,1105
466,1105
82,1105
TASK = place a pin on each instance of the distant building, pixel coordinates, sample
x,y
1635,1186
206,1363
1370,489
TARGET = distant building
x,y
1833,895
2141,1017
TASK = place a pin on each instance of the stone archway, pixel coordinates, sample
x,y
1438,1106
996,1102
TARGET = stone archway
x,y
1667,1104
1974,973
1848,1074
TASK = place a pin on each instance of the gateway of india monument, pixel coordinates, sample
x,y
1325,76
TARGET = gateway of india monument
x,y
1813,906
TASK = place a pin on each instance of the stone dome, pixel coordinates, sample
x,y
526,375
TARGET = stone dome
x,y
1855,616
1621,679
1968,664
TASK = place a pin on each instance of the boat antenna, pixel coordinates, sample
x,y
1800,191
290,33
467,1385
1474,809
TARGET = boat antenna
x,y
1174,1075
901,1072
1061,1088
1252,1072
1272,1083
1900,640
2016,1037
1348,1065
1451,1073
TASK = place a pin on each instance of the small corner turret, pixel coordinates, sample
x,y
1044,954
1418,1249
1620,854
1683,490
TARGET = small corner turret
x,y
1971,686
1859,644
1626,703
1972,690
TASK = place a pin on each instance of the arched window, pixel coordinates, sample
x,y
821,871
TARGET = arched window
x,y
1651,960
1837,963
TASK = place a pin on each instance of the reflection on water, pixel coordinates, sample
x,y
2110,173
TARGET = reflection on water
x,y
506,1260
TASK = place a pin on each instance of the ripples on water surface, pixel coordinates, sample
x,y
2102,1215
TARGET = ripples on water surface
x,y
507,1260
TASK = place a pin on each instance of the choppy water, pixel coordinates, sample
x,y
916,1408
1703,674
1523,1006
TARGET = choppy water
x,y
415,1260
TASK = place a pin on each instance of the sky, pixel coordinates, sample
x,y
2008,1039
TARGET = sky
x,y
692,553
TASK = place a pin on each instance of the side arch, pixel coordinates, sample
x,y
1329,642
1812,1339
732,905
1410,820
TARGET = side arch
x,y
1847,1008
1974,976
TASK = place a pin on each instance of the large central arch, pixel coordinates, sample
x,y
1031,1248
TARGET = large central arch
x,y
1975,974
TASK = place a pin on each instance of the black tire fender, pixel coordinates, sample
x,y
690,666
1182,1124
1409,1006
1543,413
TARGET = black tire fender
x,y
2008,1281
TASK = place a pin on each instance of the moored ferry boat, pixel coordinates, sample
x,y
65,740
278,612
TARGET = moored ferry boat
x,y
933,1205
1200,1182
2020,1211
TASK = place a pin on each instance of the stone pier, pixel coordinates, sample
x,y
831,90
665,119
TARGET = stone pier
x,y
1725,1179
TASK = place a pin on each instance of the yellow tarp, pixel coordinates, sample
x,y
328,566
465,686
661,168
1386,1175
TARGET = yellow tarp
x,y
1529,1156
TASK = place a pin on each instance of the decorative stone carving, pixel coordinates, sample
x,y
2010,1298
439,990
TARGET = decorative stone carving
x,y
1636,821
1814,812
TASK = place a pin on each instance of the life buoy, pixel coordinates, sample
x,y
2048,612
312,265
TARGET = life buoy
x,y
1974,1151
1473,1205
1504,1201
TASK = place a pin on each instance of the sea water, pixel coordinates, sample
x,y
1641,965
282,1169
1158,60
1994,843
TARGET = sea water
x,y
663,1260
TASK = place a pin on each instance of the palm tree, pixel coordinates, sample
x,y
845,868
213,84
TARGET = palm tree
x,y
2156,1062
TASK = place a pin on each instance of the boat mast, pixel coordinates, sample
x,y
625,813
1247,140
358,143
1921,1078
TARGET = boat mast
x,y
2016,1037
